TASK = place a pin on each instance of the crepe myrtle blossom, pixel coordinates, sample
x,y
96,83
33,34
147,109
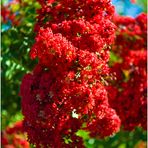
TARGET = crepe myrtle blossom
x,y
66,91
14,136
128,93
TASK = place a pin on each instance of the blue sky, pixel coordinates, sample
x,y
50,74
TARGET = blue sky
x,y
125,7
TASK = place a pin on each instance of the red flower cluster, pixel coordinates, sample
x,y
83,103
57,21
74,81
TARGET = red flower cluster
x,y
129,90
133,1
66,90
8,12
14,137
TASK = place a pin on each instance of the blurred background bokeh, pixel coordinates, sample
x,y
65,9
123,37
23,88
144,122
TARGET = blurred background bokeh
x,y
18,19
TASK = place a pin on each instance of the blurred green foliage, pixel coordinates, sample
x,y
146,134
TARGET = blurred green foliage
x,y
143,3
15,62
123,139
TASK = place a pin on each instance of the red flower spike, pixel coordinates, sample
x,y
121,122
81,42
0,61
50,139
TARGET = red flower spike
x,y
129,99
67,86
